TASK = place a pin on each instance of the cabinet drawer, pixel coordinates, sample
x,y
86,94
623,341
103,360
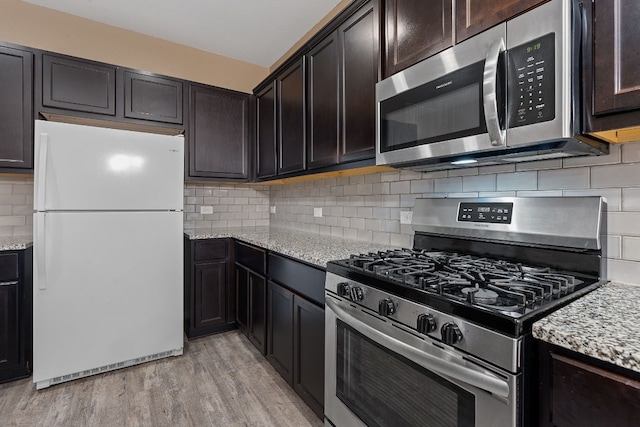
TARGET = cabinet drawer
x,y
210,249
8,267
251,257
305,280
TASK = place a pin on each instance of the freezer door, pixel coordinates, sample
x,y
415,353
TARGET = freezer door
x,y
107,289
90,168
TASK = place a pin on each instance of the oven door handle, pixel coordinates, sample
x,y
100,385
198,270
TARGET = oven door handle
x,y
482,380
490,93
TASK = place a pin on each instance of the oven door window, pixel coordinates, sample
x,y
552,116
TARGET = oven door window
x,y
385,389
447,108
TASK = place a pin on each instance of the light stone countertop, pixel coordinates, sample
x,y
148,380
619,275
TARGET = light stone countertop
x,y
315,249
602,324
15,243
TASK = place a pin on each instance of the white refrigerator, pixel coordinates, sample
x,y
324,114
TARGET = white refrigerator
x,y
107,250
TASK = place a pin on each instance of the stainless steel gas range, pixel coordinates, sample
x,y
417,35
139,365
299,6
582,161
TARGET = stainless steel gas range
x,y
440,335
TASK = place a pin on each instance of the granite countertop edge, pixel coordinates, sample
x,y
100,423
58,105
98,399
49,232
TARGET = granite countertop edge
x,y
312,248
598,325
15,243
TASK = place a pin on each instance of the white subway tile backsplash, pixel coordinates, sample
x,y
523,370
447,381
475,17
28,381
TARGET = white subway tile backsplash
x,y
497,194
479,183
495,169
448,185
623,271
625,175
517,181
401,187
631,153
466,171
623,223
563,179
631,248
631,199
545,193
539,165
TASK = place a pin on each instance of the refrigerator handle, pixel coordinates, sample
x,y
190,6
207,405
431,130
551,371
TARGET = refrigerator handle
x,y
41,250
43,155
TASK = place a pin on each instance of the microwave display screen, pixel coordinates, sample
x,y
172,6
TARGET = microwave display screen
x,y
447,108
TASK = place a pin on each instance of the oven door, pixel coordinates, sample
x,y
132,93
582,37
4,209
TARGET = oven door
x,y
379,374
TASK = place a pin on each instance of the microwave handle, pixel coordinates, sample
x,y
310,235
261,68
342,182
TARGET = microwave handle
x,y
489,93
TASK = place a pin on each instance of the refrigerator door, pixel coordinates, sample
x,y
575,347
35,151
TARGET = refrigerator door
x,y
90,168
107,289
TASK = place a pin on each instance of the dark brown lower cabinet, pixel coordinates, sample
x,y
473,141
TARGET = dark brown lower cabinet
x,y
280,330
576,390
15,314
251,293
296,327
308,353
209,291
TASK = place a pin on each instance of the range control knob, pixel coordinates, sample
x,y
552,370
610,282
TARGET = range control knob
x,y
426,323
451,333
386,307
356,293
343,289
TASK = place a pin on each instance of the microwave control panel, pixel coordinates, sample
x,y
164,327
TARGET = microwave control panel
x,y
496,213
531,82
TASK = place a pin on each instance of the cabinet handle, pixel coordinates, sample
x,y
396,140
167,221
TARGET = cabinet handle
x,y
489,91
15,282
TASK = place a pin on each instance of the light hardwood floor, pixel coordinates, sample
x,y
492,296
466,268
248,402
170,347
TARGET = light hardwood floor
x,y
221,380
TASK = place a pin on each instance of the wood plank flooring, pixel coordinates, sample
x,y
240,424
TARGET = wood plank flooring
x,y
221,380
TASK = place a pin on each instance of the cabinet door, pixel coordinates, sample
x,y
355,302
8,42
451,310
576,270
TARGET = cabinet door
x,y
616,60
242,297
210,294
78,85
359,64
475,16
266,161
16,108
280,330
308,353
291,112
257,329
218,133
585,395
9,326
323,102
152,98
415,30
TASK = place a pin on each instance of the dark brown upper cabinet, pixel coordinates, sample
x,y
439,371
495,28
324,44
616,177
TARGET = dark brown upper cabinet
x,y
614,96
16,109
148,97
342,74
323,131
358,39
78,85
266,151
291,114
475,16
218,133
415,30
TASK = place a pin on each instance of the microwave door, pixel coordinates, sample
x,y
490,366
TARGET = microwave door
x,y
438,107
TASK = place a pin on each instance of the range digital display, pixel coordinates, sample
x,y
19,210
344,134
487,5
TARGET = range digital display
x,y
495,213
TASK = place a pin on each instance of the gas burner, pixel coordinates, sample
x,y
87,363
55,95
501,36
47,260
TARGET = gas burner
x,y
480,296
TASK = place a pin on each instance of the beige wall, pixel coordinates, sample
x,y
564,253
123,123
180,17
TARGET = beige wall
x,y
324,21
34,26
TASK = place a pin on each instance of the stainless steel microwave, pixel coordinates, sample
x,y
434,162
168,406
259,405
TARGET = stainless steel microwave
x,y
509,94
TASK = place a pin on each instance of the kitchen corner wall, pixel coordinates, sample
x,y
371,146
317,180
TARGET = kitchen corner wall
x,y
368,207
233,205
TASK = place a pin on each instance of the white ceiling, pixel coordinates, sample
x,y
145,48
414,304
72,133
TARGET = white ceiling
x,y
255,31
